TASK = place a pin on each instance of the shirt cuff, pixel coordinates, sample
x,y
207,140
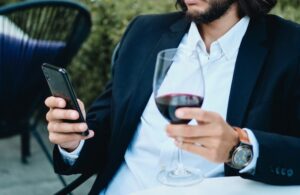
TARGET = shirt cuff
x,y
253,141
71,157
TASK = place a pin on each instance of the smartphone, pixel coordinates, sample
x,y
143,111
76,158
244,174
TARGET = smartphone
x,y
60,86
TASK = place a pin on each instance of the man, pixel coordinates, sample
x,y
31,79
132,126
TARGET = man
x,y
249,119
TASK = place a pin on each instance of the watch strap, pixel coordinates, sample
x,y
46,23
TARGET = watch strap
x,y
243,135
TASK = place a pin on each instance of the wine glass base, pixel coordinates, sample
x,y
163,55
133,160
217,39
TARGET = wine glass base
x,y
180,177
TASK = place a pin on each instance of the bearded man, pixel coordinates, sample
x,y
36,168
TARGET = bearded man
x,y
248,124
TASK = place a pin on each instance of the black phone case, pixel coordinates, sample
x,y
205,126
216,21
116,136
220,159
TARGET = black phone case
x,y
60,86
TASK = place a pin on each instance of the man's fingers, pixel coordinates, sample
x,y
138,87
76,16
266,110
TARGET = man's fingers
x,y
187,131
207,142
208,153
202,151
196,113
60,138
62,114
55,102
59,127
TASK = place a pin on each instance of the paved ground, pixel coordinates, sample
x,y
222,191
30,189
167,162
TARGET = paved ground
x,y
35,178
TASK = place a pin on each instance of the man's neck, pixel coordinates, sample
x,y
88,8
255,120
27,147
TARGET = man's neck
x,y
214,30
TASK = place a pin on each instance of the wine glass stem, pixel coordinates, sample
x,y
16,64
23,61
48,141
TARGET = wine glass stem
x,y
179,159
180,170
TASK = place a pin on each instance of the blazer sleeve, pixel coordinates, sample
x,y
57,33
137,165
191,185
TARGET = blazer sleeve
x,y
279,155
92,157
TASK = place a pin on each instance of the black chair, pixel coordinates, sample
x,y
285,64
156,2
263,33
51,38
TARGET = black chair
x,y
31,33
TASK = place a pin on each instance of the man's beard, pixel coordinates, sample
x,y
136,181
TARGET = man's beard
x,y
217,8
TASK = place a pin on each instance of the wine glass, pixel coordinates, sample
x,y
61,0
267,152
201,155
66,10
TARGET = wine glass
x,y
172,90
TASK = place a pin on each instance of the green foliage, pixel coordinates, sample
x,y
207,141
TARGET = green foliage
x,y
90,69
289,9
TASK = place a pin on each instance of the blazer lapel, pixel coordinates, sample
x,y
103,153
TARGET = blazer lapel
x,y
143,89
249,63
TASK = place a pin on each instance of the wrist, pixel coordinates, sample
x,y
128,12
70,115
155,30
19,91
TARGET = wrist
x,y
70,147
242,135
242,153
235,142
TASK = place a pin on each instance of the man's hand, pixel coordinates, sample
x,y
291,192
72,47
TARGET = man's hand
x,y
66,135
212,138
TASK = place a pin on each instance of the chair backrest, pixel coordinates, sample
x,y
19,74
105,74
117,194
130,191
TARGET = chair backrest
x,y
31,33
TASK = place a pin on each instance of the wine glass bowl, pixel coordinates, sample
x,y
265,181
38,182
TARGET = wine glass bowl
x,y
169,103
172,90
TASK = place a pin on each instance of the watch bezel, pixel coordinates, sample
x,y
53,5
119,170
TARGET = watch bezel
x,y
242,146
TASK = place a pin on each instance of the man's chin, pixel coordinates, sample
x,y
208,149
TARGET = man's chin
x,y
193,14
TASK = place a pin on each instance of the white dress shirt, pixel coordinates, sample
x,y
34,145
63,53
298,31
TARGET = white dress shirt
x,y
151,149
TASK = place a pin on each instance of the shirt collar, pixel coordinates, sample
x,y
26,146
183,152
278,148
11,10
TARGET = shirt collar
x,y
229,42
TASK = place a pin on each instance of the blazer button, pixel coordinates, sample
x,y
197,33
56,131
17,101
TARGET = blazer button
x,y
290,172
283,171
272,169
277,170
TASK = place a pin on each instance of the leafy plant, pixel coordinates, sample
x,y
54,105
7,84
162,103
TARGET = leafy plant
x,y
90,69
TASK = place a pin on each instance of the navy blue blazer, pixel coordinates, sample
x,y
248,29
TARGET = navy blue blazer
x,y
264,97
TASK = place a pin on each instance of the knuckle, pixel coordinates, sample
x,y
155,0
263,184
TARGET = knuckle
x,y
49,126
52,138
218,144
215,156
55,112
190,133
168,128
54,126
46,102
218,117
65,114
219,131
201,115
48,116
78,127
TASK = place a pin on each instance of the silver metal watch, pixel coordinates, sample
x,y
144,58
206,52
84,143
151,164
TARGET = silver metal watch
x,y
241,156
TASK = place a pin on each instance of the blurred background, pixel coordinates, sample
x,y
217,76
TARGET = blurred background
x,y
89,70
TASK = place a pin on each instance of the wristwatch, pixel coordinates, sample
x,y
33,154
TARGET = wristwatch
x,y
242,154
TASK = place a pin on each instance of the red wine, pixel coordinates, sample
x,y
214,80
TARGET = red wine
x,y
168,104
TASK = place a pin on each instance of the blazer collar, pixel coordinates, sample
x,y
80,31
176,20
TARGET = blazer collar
x,y
250,60
143,89
180,25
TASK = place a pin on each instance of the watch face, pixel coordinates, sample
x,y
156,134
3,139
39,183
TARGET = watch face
x,y
242,157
